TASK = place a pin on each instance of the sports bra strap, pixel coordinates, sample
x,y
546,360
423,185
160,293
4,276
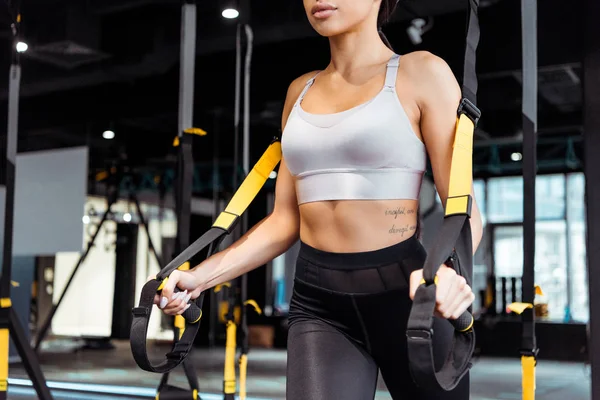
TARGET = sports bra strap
x,y
309,83
392,71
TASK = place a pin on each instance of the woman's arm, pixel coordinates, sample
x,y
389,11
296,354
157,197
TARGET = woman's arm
x,y
272,236
266,240
439,98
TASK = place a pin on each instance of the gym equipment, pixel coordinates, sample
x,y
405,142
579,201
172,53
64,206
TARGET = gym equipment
x,y
223,226
183,189
10,326
454,244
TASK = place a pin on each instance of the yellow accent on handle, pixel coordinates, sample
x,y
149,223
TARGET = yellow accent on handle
x,y
229,371
528,382
180,325
176,141
5,303
195,394
461,169
162,284
254,304
185,266
243,374
199,317
435,280
4,349
470,325
519,307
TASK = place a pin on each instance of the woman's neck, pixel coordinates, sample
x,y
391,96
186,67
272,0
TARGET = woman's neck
x,y
357,49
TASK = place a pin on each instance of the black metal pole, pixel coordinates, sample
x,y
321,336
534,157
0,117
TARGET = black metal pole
x,y
10,326
591,132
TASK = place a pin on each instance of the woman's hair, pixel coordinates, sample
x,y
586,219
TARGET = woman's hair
x,y
385,12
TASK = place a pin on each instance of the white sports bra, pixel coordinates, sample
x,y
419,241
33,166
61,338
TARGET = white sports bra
x,y
369,152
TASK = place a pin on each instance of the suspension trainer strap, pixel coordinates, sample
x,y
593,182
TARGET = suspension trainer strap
x,y
222,226
529,348
454,240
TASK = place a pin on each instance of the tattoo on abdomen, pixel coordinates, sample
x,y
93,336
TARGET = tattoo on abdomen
x,y
400,211
402,230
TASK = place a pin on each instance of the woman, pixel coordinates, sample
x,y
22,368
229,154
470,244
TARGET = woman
x,y
355,140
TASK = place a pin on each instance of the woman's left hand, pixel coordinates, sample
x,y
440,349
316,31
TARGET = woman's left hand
x,y
453,295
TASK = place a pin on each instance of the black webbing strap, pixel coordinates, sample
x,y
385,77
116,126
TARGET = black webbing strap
x,y
453,236
529,349
470,85
141,314
222,226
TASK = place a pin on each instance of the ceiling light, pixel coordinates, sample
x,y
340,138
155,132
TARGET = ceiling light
x,y
108,135
22,47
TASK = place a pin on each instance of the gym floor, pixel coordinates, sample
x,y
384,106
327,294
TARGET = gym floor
x,y
101,374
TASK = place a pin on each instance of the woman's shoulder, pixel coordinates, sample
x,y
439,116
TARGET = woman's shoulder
x,y
424,64
429,73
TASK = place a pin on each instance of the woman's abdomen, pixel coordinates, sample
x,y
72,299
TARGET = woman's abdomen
x,y
354,226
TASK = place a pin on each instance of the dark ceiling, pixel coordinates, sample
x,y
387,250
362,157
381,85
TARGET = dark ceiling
x,y
98,64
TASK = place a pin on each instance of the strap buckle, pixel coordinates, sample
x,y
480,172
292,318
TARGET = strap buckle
x,y
422,334
530,352
470,110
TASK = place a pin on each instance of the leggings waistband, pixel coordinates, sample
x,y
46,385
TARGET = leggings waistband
x,y
365,259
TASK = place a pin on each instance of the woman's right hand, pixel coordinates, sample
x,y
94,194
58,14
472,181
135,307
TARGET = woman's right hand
x,y
176,303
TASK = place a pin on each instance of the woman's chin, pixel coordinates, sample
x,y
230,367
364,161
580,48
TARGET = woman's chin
x,y
328,29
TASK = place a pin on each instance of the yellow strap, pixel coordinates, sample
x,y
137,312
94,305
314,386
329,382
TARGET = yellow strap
x,y
250,187
229,371
243,373
254,304
528,369
461,171
4,340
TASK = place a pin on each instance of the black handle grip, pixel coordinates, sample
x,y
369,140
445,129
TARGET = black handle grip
x,y
193,313
464,323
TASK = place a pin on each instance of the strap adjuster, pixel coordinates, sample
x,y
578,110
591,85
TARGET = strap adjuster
x,y
423,334
470,110
140,311
176,356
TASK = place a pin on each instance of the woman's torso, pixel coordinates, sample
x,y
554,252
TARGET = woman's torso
x,y
379,123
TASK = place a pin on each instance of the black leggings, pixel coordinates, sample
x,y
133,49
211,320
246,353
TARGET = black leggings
x,y
347,320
